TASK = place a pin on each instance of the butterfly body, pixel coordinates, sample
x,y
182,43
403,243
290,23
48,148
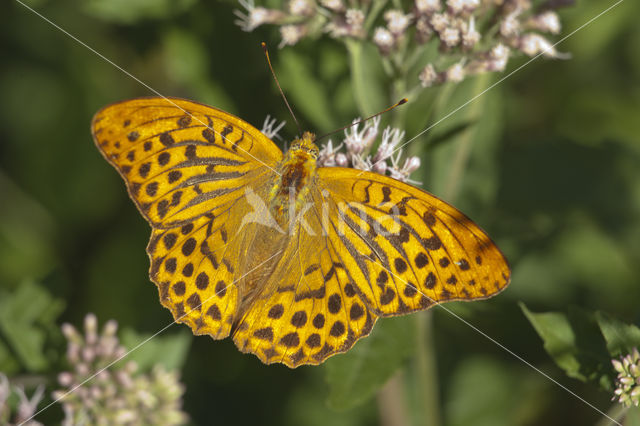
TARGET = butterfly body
x,y
296,262
296,176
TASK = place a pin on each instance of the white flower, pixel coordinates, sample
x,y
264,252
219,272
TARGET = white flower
x,y
28,407
411,164
510,25
534,44
391,137
291,34
383,39
439,22
423,30
470,37
256,16
499,56
450,37
458,6
335,5
301,7
455,73
269,128
428,76
342,160
327,154
397,22
358,142
548,22
355,18
428,6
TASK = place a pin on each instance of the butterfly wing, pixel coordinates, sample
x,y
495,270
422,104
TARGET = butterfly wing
x,y
309,308
186,167
404,248
368,246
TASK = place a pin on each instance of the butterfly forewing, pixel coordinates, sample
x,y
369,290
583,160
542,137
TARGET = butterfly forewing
x,y
179,157
187,167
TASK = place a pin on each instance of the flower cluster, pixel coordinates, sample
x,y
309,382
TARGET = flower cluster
x,y
96,395
358,144
474,36
628,381
26,406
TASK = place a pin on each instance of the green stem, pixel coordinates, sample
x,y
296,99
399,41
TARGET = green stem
x,y
376,8
616,412
427,380
358,81
465,144
365,78
426,358
392,402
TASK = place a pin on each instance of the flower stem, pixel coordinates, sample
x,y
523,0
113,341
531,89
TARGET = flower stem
x,y
461,156
617,412
427,380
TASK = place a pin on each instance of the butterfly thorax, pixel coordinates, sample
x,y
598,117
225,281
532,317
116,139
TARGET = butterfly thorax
x,y
296,172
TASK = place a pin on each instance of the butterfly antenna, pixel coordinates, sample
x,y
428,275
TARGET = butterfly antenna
x,y
400,102
266,53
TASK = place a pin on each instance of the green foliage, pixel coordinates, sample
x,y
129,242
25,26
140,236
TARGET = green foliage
x,y
170,350
583,343
26,229
547,162
355,376
497,403
463,165
130,12
27,320
366,78
305,89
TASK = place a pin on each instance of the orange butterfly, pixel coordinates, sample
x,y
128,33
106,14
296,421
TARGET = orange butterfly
x,y
295,261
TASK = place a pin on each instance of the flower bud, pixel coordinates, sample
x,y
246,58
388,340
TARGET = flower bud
x,y
428,76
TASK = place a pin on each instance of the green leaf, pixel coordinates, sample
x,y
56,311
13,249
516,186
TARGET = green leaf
x,y
169,350
558,337
305,91
575,343
8,364
355,376
621,338
26,317
26,235
366,77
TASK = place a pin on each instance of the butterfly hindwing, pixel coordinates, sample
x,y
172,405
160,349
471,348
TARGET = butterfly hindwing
x,y
310,309
195,274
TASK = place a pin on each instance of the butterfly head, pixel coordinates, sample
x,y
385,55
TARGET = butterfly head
x,y
305,145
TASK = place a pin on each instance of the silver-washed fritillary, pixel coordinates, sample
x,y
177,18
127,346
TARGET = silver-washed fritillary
x,y
296,262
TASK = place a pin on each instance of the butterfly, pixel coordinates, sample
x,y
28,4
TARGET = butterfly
x,y
296,262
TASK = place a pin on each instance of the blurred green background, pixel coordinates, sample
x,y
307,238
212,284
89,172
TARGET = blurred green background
x,y
554,177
